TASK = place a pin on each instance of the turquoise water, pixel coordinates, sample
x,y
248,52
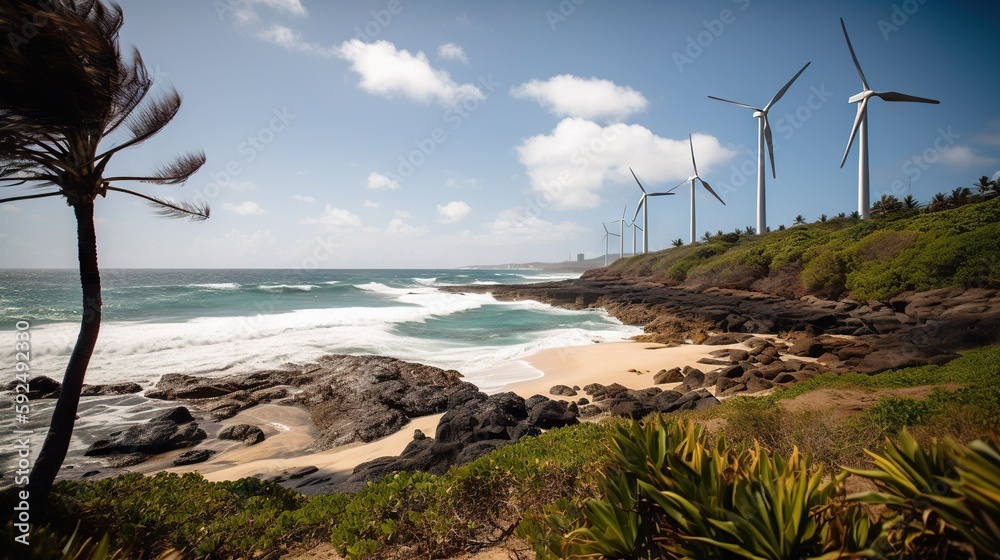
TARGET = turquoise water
x,y
215,322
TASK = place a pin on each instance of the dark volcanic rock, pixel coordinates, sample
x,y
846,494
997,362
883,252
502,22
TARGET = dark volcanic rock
x,y
193,456
176,415
249,434
672,375
600,392
693,379
807,347
112,389
727,338
563,391
551,414
150,438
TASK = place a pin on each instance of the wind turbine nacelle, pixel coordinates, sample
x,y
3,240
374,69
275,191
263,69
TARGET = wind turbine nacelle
x,y
860,96
759,114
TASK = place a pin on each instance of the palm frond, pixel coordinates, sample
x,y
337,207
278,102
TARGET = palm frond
x,y
170,209
145,122
176,173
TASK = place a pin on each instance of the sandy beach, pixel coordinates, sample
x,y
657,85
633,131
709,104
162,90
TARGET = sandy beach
x,y
289,430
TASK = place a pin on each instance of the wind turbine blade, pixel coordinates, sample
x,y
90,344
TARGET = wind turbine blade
x,y
707,186
770,145
637,180
605,227
679,185
782,91
693,164
862,107
661,193
896,96
642,200
854,56
752,108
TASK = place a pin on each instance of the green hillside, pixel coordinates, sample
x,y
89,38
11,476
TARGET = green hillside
x,y
905,250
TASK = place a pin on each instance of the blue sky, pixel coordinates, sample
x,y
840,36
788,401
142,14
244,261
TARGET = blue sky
x,y
396,133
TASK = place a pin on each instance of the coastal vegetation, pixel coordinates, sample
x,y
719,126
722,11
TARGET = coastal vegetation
x,y
574,489
902,249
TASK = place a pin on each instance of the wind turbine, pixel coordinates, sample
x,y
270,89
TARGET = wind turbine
x,y
764,139
644,206
606,239
621,234
634,227
860,128
692,180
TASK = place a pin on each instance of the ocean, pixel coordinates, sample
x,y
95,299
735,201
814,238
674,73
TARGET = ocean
x,y
219,322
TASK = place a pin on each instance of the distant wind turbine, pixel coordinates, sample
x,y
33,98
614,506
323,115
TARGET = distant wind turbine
x,y
764,139
621,234
607,239
860,128
634,227
692,180
644,206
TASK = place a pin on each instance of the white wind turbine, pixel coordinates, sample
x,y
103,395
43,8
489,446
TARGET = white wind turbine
x,y
860,128
764,139
692,180
621,234
644,206
607,239
634,227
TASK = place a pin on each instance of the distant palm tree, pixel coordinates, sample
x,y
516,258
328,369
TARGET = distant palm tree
x,y
781,227
985,185
938,202
910,202
886,205
842,215
720,233
62,92
750,230
855,215
707,236
960,196
799,220
822,217
677,242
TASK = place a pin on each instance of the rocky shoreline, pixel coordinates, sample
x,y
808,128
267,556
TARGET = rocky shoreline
x,y
360,399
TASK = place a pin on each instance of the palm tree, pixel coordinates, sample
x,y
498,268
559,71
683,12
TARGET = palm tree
x,y
855,215
720,233
799,220
959,196
62,92
781,227
822,217
986,185
911,203
707,236
938,202
886,205
750,230
842,215
677,242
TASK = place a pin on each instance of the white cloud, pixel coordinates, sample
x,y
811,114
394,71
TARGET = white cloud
x,y
306,199
246,208
451,51
404,214
288,38
379,182
569,167
454,211
518,226
384,70
370,204
334,218
590,98
245,13
964,157
398,227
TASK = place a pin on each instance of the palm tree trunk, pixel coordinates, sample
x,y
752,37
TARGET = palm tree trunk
x,y
64,416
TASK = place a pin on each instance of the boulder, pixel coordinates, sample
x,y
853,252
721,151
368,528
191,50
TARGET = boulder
x,y
193,456
732,355
807,347
726,338
563,391
672,375
693,379
247,433
112,389
153,437
551,414
755,385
